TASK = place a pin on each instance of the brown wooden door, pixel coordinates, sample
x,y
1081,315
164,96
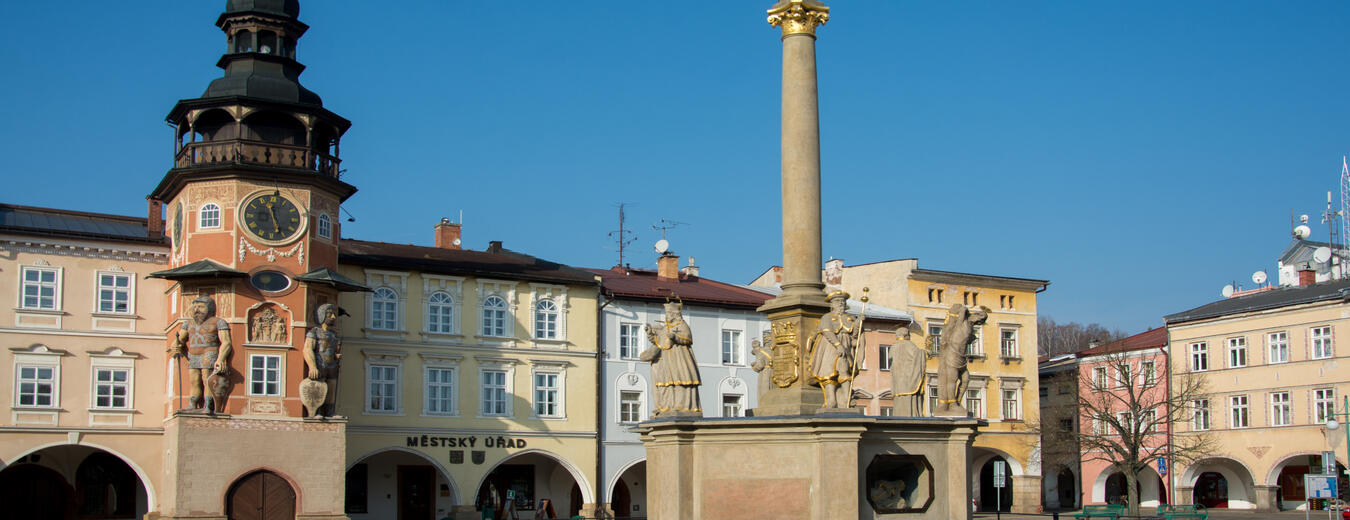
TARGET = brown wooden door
x,y
261,496
33,492
416,492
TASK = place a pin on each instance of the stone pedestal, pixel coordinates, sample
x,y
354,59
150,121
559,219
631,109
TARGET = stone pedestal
x,y
1185,495
799,467
1267,499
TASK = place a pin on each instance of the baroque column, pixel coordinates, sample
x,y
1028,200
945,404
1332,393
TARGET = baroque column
x,y
796,312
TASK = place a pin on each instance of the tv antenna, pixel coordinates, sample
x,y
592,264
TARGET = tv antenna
x,y
622,236
667,224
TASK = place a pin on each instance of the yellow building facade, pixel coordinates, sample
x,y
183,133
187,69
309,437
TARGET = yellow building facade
x,y
467,376
1273,365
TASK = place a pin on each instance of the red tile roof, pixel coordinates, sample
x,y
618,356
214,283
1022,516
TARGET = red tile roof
x,y
505,264
643,284
1152,338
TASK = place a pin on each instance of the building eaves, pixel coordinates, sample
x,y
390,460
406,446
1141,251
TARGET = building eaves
x,y
506,264
1274,299
52,222
625,283
983,280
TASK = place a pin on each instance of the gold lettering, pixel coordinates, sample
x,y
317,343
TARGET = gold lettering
x,y
272,198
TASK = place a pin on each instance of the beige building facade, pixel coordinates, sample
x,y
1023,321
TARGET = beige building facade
x,y
1274,368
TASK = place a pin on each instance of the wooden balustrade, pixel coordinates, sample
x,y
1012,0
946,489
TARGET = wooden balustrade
x,y
207,153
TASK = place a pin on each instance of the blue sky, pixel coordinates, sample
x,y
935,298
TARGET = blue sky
x,y
1138,155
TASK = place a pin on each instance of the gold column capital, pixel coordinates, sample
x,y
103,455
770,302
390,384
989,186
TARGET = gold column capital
x,y
798,16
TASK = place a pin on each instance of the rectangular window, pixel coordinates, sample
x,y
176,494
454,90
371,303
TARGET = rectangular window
x,y
731,347
1324,403
114,293
630,407
264,374
731,405
1280,411
630,340
1045,392
975,403
976,346
884,357
1322,347
887,411
1238,415
1237,352
112,387
1148,373
1149,420
1012,406
383,384
37,385
39,287
1279,346
546,401
1099,425
1099,378
1007,343
440,390
1200,415
1066,425
934,338
1123,375
494,392
1199,357
932,399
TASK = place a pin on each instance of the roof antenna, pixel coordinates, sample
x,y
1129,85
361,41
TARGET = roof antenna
x,y
622,235
667,224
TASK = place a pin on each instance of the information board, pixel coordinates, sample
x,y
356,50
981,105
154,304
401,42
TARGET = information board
x,y
1000,477
1319,486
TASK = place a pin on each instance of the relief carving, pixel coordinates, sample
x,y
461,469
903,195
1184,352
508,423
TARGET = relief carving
x,y
268,327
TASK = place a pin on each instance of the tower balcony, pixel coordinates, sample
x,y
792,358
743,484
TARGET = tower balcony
x,y
242,151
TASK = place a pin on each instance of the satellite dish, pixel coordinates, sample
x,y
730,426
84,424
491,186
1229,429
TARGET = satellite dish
x,y
1227,291
1302,219
1301,232
456,241
1259,277
1322,254
662,246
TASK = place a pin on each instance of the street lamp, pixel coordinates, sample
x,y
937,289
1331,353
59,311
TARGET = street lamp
x,y
1332,425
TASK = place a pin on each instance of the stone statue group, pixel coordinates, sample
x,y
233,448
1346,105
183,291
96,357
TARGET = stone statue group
x,y
835,355
205,341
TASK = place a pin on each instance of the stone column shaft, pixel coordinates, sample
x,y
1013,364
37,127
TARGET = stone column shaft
x,y
801,167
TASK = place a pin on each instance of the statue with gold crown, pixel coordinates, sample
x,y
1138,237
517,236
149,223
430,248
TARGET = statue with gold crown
x,y
835,350
674,372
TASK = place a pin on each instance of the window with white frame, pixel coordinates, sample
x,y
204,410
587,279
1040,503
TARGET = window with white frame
x,y
384,309
1100,425
1199,356
1278,344
887,411
494,317
36,386
492,387
1320,338
1124,421
325,226
1099,378
1148,420
439,390
731,347
1237,352
630,407
264,374
934,337
1007,343
441,313
1238,414
733,405
547,394
1200,415
114,293
1281,412
112,388
1148,373
975,403
1012,404
976,346
1324,403
545,319
210,216
40,288
382,388
1123,374
884,357
630,340
932,399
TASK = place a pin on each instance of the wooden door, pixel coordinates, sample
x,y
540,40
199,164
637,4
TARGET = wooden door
x,y
261,495
33,492
416,492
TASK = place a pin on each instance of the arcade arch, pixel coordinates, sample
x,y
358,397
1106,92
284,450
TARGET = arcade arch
x,y
396,482
627,493
987,497
69,480
1220,482
533,475
1109,487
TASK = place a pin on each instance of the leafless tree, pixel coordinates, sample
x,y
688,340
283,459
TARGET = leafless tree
x,y
1124,410
1054,338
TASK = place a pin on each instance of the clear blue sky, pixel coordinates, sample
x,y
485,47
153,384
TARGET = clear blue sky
x,y
1139,155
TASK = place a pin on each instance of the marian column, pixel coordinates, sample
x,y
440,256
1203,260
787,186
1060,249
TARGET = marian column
x,y
796,313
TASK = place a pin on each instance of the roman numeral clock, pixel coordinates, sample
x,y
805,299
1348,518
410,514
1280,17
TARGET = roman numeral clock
x,y
271,218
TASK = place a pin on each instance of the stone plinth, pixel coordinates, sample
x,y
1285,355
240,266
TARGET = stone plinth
x,y
799,467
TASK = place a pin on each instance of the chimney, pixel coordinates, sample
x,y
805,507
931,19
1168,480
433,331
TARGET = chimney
x,y
777,274
834,272
690,269
668,267
154,222
447,235
1307,276
494,246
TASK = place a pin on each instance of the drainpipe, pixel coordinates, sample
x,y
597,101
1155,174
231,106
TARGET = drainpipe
x,y
599,398
1171,468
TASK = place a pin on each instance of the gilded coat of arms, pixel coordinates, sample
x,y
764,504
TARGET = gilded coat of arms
x,y
786,354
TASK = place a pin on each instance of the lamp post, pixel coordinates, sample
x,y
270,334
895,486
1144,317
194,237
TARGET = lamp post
x,y
1332,425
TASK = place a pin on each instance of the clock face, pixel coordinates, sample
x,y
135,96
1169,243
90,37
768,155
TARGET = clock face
x,y
271,217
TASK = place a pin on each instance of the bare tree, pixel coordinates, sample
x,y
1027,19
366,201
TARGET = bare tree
x,y
1054,338
1124,411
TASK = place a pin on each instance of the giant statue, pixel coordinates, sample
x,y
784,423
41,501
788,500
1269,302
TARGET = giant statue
x,y
908,362
322,353
957,334
674,373
205,341
834,352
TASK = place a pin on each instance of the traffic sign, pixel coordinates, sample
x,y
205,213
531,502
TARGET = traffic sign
x,y
1162,466
1000,479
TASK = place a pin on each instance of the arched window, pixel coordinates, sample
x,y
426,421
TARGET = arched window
x,y
325,226
494,316
210,216
546,319
441,313
384,309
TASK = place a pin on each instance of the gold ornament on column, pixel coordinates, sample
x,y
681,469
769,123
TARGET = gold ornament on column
x,y
798,16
